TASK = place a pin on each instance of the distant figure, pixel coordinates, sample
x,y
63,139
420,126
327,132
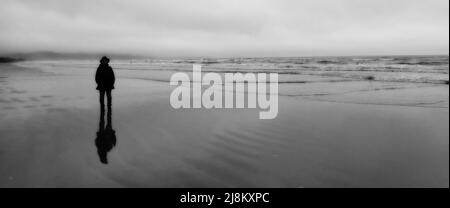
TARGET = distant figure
x,y
106,137
104,77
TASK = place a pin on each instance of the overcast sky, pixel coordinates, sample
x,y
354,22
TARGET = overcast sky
x,y
226,27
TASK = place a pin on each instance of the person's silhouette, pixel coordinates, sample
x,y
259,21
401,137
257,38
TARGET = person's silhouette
x,y
106,137
104,77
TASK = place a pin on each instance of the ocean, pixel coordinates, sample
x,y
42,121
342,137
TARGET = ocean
x,y
412,69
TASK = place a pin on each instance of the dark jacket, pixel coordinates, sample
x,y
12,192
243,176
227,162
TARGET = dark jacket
x,y
104,77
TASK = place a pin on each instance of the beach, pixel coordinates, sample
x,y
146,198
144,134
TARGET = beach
x,y
335,128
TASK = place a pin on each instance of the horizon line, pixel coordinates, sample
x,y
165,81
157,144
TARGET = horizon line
x,y
81,55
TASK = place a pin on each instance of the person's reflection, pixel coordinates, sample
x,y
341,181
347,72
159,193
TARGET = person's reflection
x,y
106,136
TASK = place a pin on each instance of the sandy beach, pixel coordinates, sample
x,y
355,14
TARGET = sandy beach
x,y
359,133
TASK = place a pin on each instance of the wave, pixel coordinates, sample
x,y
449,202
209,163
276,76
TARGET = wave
x,y
414,69
423,63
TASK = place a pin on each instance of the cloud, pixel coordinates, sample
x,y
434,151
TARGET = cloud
x,y
226,27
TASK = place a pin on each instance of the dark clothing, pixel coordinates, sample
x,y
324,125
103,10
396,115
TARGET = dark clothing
x,y
102,99
104,77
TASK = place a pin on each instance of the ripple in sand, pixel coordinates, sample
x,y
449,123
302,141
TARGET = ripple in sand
x,y
15,91
34,99
30,106
51,110
17,100
228,176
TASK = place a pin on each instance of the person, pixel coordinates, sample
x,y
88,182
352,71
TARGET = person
x,y
104,77
106,137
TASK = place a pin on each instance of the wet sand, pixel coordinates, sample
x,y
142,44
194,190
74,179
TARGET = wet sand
x,y
339,134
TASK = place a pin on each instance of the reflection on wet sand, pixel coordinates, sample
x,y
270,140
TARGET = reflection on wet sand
x,y
106,137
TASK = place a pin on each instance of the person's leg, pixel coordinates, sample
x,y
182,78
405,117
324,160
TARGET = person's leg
x,y
102,100
108,95
109,98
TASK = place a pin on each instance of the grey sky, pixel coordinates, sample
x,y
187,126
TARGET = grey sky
x,y
226,27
